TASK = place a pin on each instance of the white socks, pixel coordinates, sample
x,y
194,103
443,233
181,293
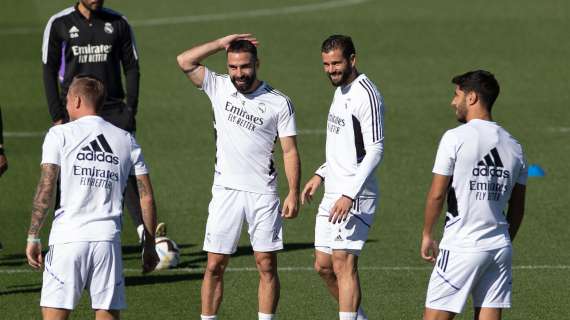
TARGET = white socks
x,y
347,315
361,315
262,316
140,230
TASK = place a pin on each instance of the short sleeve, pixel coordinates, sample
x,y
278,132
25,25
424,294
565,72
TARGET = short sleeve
x,y
286,125
523,174
139,166
446,156
212,83
52,148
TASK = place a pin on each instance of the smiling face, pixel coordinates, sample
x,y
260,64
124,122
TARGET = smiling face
x,y
242,68
338,68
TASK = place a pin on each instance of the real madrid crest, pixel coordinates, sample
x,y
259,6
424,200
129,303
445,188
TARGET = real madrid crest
x,y
261,107
108,28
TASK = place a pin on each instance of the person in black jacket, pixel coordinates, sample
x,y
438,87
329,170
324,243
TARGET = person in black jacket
x,y
90,39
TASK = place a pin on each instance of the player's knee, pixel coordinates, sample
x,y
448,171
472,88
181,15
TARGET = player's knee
x,y
215,268
343,268
323,270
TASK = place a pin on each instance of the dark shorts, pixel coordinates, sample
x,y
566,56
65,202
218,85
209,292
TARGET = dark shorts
x,y
119,115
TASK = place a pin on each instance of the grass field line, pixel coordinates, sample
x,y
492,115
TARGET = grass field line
x,y
151,22
310,269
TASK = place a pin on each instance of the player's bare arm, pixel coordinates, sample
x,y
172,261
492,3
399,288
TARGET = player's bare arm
x,y
189,61
515,213
42,202
434,204
292,165
148,206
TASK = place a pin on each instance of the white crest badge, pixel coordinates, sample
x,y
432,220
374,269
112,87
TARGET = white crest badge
x,y
261,107
108,28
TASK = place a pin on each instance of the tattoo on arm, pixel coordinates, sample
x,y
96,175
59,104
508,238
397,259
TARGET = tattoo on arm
x,y
143,191
43,197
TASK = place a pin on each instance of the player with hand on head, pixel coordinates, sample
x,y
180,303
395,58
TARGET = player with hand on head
x,y
94,159
249,117
354,148
481,168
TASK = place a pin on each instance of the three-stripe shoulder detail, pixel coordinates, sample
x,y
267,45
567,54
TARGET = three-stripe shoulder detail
x,y
47,31
375,108
276,92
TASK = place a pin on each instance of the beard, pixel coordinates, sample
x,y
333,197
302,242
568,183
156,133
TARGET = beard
x,y
246,82
344,75
93,5
461,111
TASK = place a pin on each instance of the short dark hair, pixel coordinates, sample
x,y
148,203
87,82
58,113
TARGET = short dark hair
x,y
338,41
482,82
91,89
243,45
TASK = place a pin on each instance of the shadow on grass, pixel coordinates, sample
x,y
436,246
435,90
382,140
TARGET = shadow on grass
x,y
199,257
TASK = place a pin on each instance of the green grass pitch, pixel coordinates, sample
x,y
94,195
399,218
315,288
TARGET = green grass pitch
x,y
410,49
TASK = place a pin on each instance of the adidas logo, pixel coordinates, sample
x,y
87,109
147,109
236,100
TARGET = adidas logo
x,y
98,150
73,32
338,238
491,166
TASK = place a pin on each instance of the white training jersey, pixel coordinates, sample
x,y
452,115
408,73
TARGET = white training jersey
x,y
485,162
95,160
355,140
247,127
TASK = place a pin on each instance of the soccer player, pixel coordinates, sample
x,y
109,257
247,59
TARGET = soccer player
x,y
90,39
94,159
354,148
249,116
481,168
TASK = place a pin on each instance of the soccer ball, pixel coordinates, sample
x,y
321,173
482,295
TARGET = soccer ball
x,y
168,253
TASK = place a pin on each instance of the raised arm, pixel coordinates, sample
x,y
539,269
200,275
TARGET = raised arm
x,y
189,60
515,212
434,205
148,206
42,202
292,165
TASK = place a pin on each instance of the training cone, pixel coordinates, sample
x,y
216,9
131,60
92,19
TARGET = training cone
x,y
534,170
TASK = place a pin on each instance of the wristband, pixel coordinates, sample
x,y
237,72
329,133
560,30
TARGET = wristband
x,y
33,240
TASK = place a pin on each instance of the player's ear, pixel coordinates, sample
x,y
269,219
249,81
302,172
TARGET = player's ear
x,y
472,98
352,60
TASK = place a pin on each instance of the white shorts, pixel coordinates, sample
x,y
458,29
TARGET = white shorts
x,y
349,235
486,275
94,266
227,211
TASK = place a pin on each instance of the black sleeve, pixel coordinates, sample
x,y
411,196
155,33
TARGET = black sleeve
x,y
51,59
129,59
